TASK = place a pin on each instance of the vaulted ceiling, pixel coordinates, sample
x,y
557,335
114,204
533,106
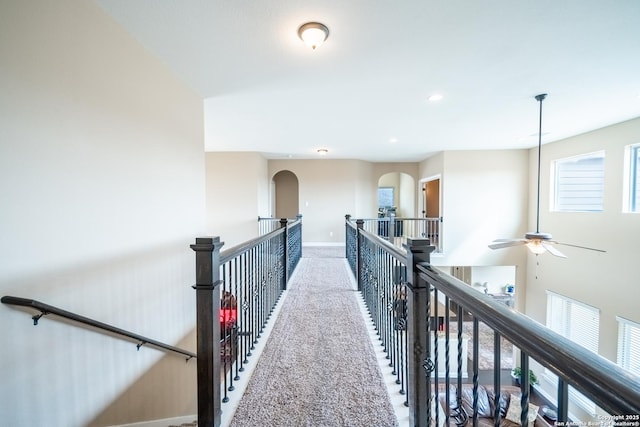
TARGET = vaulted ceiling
x,y
364,93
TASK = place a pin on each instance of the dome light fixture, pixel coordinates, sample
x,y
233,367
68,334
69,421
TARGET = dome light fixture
x,y
322,151
313,34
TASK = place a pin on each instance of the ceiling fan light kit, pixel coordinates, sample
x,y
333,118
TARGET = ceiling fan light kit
x,y
537,242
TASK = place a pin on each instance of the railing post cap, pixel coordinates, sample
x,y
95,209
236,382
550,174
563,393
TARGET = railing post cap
x,y
420,245
207,243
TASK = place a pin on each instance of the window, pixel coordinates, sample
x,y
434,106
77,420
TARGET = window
x,y
386,197
629,345
632,178
581,324
579,183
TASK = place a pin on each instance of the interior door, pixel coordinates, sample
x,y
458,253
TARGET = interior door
x,y
431,192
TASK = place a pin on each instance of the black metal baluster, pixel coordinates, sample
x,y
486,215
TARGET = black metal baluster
x,y
496,377
447,356
524,388
563,400
476,356
428,367
460,314
228,328
238,291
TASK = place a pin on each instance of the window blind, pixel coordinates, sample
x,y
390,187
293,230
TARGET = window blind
x,y
629,345
581,324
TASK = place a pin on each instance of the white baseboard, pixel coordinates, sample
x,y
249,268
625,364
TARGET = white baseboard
x,y
330,244
162,423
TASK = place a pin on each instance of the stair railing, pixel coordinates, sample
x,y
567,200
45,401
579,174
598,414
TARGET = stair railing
x,y
46,309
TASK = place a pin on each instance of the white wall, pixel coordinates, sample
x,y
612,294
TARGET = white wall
x,y
327,193
408,195
484,197
237,193
607,281
102,184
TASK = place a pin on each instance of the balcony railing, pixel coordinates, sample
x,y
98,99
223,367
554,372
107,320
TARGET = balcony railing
x,y
237,290
412,306
267,225
398,229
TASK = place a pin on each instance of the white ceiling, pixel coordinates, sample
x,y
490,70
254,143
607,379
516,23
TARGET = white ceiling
x,y
265,91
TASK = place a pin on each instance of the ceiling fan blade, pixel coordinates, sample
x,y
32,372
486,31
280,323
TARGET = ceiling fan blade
x,y
552,250
580,247
507,243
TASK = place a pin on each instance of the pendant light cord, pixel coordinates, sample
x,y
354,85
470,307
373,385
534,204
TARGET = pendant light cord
x,y
539,98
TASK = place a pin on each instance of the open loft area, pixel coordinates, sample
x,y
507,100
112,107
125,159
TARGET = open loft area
x,y
131,128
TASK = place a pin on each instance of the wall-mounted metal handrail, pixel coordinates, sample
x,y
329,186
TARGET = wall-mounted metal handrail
x,y
46,309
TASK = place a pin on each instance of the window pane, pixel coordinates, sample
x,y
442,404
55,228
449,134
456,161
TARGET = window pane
x,y
634,179
579,183
385,197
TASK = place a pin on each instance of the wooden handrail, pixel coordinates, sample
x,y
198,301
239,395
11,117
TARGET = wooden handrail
x,y
234,251
49,309
612,388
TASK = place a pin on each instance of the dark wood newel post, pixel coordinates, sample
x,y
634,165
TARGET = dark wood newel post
x,y
207,288
418,251
285,252
360,225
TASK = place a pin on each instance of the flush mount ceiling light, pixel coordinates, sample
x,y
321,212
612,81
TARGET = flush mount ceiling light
x,y
322,151
313,34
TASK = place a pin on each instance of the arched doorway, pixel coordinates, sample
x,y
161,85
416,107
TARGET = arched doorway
x,y
397,194
285,195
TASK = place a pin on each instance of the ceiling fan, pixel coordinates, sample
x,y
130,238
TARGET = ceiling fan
x,y
537,242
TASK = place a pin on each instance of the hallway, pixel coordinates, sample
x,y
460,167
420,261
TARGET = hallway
x,y
318,367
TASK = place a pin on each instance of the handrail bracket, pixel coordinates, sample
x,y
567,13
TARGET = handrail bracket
x,y
38,316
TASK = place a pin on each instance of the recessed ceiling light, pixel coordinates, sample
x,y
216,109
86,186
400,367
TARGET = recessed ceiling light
x,y
322,151
393,140
435,97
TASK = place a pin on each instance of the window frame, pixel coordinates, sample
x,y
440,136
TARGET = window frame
x,y
631,184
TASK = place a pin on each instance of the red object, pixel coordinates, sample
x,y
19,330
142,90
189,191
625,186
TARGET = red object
x,y
228,315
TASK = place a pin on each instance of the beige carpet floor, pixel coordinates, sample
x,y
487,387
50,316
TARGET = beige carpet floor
x,y
318,368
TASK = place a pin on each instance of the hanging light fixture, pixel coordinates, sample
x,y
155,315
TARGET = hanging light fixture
x,y
313,34
537,242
